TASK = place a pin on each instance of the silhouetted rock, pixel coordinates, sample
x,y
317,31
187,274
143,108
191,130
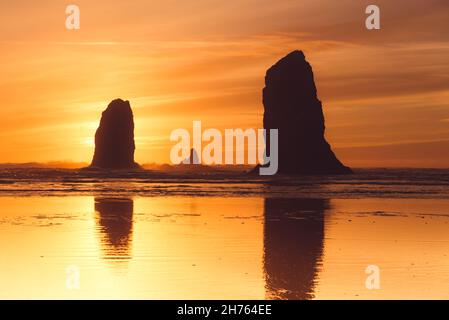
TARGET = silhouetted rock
x,y
291,105
192,159
114,139
191,165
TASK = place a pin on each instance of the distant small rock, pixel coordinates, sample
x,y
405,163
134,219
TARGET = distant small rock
x,y
192,159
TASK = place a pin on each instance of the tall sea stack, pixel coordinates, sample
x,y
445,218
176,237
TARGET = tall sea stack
x,y
114,139
291,105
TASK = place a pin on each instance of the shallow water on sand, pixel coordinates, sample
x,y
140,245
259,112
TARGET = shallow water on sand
x,y
365,183
253,247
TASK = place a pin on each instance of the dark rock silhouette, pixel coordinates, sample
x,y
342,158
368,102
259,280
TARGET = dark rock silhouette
x,y
293,246
114,139
291,105
191,165
192,159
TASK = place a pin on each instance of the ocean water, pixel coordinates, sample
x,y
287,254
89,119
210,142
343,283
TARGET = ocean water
x,y
69,234
379,183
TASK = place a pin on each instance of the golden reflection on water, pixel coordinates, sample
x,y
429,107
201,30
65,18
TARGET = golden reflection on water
x,y
222,248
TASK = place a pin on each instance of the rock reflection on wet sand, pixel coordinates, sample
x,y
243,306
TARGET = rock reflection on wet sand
x,y
223,248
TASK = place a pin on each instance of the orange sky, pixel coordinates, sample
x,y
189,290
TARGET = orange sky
x,y
179,61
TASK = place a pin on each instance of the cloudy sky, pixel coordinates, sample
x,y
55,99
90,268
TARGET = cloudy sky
x,y
385,93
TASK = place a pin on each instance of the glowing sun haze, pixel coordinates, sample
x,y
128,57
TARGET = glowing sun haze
x,y
179,61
